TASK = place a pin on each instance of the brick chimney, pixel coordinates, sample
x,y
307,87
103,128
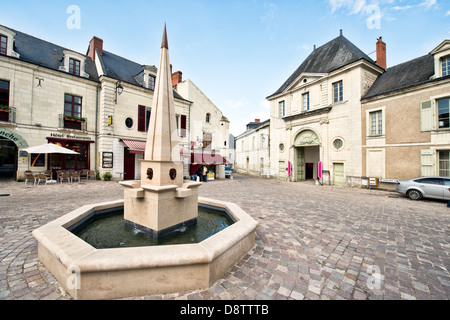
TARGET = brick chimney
x,y
177,77
96,43
257,120
381,53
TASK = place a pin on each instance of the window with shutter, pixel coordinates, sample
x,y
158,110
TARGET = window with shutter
x,y
426,116
141,118
427,163
183,126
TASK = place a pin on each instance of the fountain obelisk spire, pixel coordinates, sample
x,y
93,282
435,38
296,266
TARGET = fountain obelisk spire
x,y
162,139
161,202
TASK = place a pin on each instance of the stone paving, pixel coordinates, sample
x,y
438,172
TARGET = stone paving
x,y
313,242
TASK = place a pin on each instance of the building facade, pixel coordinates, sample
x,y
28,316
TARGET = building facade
x,y
315,128
343,118
253,150
405,119
98,104
208,131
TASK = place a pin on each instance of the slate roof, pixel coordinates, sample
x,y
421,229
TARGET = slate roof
x,y
46,54
402,76
125,70
333,55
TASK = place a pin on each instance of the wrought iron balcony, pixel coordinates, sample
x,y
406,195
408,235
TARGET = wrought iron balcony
x,y
72,123
8,114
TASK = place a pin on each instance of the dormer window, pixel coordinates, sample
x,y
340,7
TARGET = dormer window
x,y
149,77
446,66
151,82
7,37
3,45
74,67
74,63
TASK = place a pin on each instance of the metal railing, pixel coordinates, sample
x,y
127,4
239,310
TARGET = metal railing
x,y
72,124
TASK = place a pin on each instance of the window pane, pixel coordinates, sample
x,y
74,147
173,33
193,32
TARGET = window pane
x,y
4,85
380,122
67,109
445,66
77,111
444,163
77,100
443,112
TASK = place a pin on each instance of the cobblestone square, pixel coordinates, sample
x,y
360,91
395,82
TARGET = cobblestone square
x,y
313,242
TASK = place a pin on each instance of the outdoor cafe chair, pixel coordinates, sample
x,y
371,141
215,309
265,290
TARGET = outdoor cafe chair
x,y
85,174
74,176
64,176
30,177
43,177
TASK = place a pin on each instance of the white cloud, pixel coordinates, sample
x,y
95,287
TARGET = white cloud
x,y
447,14
399,8
428,4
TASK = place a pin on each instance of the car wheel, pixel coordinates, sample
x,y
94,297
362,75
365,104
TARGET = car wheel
x,y
415,195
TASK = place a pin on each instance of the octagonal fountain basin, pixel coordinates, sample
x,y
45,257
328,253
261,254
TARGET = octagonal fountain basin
x,y
89,273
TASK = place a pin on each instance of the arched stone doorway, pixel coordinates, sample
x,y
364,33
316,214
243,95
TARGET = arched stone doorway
x,y
307,155
10,142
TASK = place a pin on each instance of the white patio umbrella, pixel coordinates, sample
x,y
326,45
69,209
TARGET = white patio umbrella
x,y
48,148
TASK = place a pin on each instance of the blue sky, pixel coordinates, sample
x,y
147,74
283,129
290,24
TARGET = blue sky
x,y
236,52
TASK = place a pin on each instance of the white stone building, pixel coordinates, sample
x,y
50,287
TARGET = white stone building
x,y
98,104
316,115
208,130
253,150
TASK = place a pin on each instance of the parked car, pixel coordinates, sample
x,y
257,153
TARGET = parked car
x,y
228,172
425,187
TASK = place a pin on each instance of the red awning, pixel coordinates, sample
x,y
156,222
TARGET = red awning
x,y
207,159
137,147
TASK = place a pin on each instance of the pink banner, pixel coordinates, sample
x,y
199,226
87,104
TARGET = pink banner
x,y
320,170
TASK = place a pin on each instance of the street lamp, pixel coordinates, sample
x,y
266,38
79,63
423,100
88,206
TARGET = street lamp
x,y
119,90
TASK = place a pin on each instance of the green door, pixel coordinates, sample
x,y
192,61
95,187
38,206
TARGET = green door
x,y
338,169
300,164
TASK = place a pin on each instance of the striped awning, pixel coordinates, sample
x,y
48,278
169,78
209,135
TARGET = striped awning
x,y
138,147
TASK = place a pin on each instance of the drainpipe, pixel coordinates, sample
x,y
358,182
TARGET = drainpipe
x,y
96,126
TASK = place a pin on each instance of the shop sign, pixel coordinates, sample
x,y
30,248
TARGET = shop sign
x,y
68,136
14,137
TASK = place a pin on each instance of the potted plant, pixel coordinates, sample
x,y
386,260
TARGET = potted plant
x,y
74,118
4,113
73,122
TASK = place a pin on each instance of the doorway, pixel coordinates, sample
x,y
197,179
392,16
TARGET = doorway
x,y
8,159
338,169
129,165
309,172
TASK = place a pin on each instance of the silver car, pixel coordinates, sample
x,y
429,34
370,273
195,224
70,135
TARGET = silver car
x,y
425,187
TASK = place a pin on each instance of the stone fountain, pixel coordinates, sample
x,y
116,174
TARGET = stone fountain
x,y
158,205
161,203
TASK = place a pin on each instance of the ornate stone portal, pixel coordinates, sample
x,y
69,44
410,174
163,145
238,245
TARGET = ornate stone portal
x,y
161,202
